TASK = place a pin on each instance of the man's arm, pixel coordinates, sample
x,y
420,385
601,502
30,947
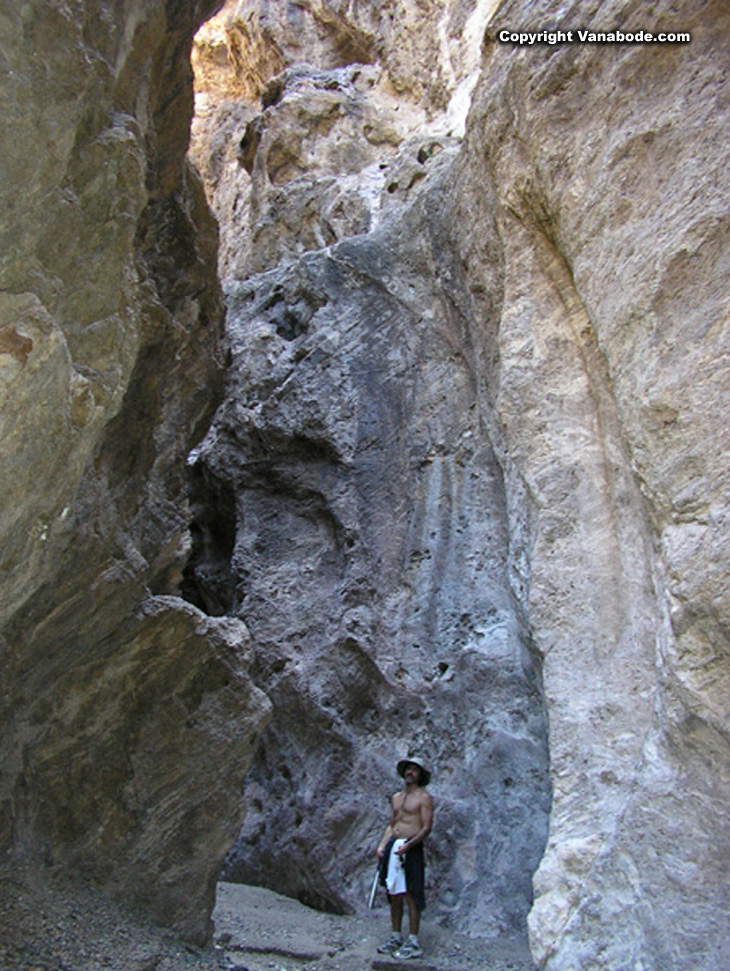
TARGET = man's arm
x,y
426,825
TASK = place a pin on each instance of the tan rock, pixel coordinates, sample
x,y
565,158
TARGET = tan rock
x,y
609,385
590,214
115,691
479,407
341,89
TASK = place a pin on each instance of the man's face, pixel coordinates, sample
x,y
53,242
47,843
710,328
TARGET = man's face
x,y
412,773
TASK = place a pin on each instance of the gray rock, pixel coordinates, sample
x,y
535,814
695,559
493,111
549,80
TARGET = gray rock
x,y
366,530
468,478
578,257
610,388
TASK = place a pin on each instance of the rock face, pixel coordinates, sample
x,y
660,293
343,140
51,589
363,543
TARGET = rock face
x,y
115,690
476,428
353,511
355,82
466,484
611,390
369,557
429,52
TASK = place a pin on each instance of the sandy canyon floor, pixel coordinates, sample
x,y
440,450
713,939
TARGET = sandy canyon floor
x,y
49,925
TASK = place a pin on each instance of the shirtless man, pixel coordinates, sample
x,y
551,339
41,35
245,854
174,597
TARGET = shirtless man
x,y
401,854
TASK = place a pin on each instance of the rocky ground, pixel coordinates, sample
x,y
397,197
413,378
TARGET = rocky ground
x,y
48,925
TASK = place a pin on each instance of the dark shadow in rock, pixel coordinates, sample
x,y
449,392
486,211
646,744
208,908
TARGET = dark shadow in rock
x,y
207,579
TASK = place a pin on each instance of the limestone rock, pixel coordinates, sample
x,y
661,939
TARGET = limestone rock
x,y
429,51
610,386
300,111
468,478
583,279
115,691
307,170
313,156
362,535
350,507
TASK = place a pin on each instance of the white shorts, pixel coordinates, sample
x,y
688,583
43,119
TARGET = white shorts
x,y
396,879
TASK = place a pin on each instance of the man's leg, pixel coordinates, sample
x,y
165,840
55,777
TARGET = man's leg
x,y
411,948
396,920
414,916
396,910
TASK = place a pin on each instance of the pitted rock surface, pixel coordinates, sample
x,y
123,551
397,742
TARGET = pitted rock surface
x,y
590,282
371,568
116,692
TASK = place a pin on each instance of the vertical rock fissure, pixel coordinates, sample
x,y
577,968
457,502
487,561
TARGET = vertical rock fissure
x,y
457,474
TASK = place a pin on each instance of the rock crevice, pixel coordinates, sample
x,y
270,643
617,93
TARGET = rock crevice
x,y
115,690
371,549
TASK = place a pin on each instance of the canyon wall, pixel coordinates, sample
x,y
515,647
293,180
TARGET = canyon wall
x,y
354,512
368,553
610,387
464,490
116,692
561,312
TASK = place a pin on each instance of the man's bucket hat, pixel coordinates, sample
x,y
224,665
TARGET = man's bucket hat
x,y
412,760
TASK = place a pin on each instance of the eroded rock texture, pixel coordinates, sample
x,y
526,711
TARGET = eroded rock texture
x,y
115,691
354,511
611,390
493,418
350,83
369,561
470,464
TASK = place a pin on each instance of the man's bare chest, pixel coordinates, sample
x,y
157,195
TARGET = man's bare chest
x,y
410,806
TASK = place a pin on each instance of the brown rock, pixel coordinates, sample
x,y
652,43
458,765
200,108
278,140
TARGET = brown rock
x,y
476,430
586,257
115,691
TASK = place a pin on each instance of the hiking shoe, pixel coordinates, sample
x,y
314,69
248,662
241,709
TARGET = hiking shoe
x,y
408,950
391,945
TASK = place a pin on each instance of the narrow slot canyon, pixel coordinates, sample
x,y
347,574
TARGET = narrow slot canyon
x,y
364,394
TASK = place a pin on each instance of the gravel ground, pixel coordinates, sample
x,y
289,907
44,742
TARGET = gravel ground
x,y
257,930
53,924
49,924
